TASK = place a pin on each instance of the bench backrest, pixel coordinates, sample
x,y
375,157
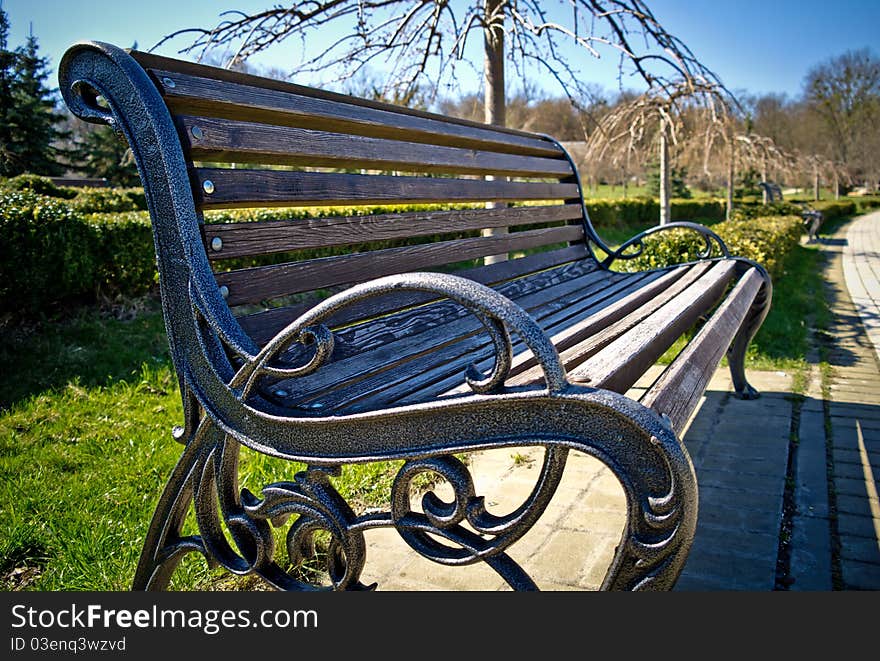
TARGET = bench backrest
x,y
256,142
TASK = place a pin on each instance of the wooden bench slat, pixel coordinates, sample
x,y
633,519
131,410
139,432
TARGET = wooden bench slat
x,y
680,387
248,188
566,328
262,326
620,363
251,100
436,373
552,284
265,282
416,335
243,239
222,140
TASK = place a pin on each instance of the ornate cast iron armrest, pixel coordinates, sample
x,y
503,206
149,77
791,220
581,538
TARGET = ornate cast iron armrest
x,y
709,238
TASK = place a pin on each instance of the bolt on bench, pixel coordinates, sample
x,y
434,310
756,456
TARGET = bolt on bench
x,y
401,361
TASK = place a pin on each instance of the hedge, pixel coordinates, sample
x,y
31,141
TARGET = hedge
x,y
763,240
83,244
52,253
644,211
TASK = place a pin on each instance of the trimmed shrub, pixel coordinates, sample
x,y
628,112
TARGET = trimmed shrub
x,y
36,184
125,256
645,211
832,209
763,240
47,254
866,203
105,200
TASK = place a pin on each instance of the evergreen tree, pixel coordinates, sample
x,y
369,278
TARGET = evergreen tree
x,y
34,116
8,158
677,181
99,152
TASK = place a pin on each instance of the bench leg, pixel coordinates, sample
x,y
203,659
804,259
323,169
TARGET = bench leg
x,y
736,354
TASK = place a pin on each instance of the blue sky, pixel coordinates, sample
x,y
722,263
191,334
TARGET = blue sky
x,y
753,45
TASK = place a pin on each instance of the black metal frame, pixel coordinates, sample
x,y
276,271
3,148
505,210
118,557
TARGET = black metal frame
x,y
218,367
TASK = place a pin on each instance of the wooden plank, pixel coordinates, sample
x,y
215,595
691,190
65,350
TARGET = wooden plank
x,y
566,326
258,238
254,101
591,335
551,284
620,363
411,364
177,66
250,188
222,140
373,354
265,282
263,326
679,388
577,341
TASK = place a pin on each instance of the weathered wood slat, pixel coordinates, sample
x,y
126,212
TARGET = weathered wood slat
x,y
443,368
265,282
552,284
222,140
260,238
565,327
680,387
247,188
620,363
251,99
262,326
577,341
416,335
592,334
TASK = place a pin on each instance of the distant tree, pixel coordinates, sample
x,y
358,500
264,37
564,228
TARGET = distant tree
x,y
28,118
426,40
677,181
844,92
8,159
37,130
98,151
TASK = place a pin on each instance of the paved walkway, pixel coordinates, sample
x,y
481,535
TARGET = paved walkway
x,y
773,515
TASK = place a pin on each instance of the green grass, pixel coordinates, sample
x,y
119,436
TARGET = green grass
x,y
85,449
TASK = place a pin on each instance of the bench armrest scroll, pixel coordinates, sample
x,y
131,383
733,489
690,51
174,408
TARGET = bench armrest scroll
x,y
634,247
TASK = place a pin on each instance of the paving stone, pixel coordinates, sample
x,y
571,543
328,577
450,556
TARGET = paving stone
x,y
860,575
860,505
739,572
857,525
810,562
862,549
760,546
708,477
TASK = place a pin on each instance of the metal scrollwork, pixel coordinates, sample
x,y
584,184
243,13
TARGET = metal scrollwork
x,y
635,246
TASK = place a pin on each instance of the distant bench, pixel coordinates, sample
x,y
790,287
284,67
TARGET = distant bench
x,y
812,217
377,353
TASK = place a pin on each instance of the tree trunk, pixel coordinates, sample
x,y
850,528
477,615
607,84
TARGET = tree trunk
x,y
836,186
664,175
816,183
764,197
731,173
494,104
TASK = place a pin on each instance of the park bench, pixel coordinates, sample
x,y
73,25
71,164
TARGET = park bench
x,y
375,350
812,217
